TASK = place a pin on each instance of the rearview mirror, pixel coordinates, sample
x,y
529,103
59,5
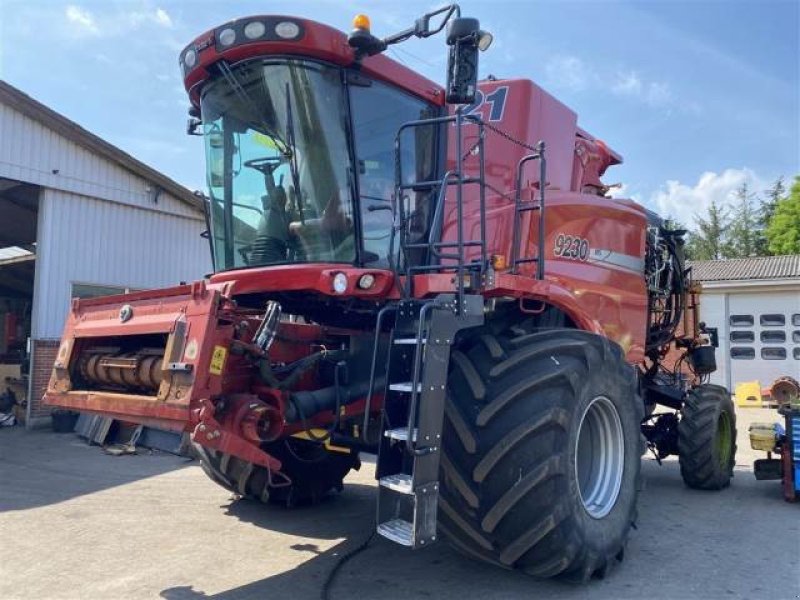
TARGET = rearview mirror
x,y
465,38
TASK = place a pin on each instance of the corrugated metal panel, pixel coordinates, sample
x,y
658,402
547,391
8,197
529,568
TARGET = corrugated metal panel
x,y
735,269
86,240
35,154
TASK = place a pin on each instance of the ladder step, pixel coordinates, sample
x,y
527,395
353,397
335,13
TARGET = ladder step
x,y
409,341
398,530
399,482
400,433
404,387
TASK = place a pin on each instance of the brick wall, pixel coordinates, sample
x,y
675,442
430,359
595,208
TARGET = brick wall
x,y
44,355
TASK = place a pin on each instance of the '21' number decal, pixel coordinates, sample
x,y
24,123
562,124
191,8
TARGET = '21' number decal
x,y
496,100
571,246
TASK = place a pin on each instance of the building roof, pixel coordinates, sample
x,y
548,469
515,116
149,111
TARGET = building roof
x,y
737,269
40,113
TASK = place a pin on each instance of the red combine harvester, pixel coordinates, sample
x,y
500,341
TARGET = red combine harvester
x,y
398,271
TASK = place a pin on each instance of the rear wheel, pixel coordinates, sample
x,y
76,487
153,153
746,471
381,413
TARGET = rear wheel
x,y
542,452
707,438
311,472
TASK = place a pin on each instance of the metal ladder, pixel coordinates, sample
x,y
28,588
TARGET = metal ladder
x,y
410,446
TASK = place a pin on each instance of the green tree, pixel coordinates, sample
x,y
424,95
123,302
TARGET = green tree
x,y
707,242
783,231
745,237
773,195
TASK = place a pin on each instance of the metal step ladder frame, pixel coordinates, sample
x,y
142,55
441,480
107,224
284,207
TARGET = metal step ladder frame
x,y
407,500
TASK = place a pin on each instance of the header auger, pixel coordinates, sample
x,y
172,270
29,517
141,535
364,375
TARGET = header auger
x,y
435,275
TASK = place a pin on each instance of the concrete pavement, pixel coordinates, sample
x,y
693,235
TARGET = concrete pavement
x,y
77,523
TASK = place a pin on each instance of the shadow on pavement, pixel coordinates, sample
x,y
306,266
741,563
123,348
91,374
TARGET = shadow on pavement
x,y
699,530
38,468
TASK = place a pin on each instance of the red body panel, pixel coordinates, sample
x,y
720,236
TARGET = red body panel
x,y
608,283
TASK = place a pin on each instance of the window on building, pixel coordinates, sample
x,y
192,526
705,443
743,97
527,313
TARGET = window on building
x,y
773,320
742,336
773,337
741,320
86,290
796,337
773,353
743,353
796,353
796,320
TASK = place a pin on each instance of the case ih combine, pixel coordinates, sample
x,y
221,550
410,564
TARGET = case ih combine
x,y
398,271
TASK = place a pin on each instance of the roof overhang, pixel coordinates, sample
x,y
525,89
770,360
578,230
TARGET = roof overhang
x,y
54,121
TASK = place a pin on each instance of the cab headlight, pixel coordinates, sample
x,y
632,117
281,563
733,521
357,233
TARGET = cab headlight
x,y
340,283
226,37
287,30
254,30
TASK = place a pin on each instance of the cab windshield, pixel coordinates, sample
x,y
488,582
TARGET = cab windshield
x,y
280,165
277,161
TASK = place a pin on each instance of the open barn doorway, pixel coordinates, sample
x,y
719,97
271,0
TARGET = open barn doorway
x,y
19,209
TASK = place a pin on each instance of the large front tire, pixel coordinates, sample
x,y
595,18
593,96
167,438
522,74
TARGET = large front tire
x,y
707,438
311,472
542,452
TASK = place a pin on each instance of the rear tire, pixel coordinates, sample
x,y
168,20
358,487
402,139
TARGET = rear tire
x,y
707,438
525,416
314,472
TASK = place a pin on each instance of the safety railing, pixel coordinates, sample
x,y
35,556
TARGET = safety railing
x,y
521,207
451,255
442,255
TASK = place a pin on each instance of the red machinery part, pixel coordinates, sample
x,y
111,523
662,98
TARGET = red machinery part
x,y
141,369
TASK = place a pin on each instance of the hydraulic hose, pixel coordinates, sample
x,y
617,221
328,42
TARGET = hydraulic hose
x,y
304,405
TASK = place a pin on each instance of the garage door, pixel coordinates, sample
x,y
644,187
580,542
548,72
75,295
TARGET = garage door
x,y
763,336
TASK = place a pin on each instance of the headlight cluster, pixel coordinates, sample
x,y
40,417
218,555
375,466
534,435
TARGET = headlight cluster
x,y
257,30
232,34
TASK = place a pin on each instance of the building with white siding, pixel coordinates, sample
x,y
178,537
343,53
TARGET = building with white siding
x,y
755,304
78,217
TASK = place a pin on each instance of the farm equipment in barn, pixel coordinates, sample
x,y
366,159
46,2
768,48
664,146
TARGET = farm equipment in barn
x,y
435,275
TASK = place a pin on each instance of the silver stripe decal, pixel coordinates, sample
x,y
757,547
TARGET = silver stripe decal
x,y
616,260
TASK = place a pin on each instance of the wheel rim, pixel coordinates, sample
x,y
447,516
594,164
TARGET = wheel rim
x,y
724,439
599,457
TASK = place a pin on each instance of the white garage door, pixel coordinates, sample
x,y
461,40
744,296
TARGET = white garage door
x,y
763,336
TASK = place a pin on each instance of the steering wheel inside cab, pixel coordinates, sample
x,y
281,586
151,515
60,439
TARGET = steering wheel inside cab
x,y
266,164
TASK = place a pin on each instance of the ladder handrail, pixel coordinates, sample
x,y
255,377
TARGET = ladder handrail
x,y
415,377
516,260
371,387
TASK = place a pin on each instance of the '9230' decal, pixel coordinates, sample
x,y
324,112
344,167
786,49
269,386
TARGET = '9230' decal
x,y
572,247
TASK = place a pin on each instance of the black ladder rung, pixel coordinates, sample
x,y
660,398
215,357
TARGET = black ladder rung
x,y
427,268
527,207
440,245
519,261
434,183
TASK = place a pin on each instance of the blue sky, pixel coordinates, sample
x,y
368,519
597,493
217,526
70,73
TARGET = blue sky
x,y
698,96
